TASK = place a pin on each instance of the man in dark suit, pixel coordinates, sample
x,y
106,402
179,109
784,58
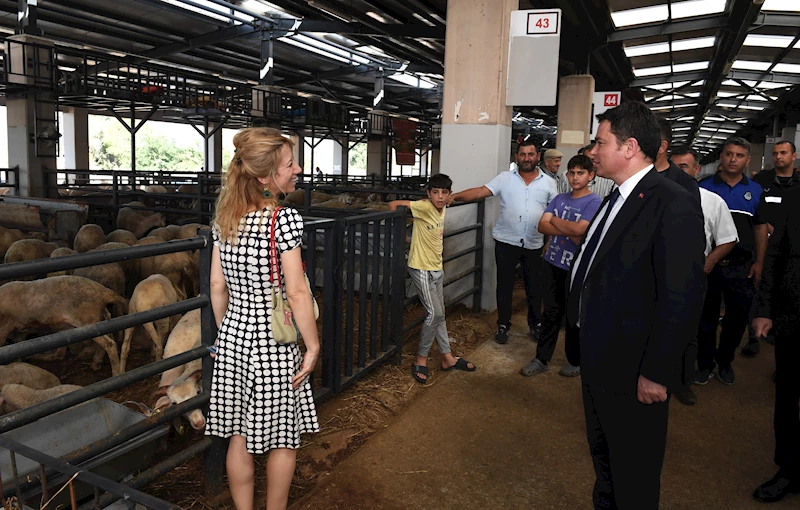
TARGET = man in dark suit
x,y
669,169
636,294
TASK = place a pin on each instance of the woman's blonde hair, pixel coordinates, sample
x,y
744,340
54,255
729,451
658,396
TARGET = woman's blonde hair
x,y
258,154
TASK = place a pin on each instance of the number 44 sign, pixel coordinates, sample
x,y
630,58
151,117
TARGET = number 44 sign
x,y
543,22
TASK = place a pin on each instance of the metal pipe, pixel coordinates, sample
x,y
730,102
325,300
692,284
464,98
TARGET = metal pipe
x,y
19,350
33,413
17,270
155,472
462,253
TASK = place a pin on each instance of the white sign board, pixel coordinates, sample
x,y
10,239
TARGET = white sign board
x,y
602,101
533,47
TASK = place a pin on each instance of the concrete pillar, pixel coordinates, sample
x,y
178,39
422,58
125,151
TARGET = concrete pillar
x,y
574,115
76,138
215,163
476,124
27,112
377,161
424,163
758,159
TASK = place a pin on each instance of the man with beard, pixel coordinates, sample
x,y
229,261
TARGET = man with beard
x,y
524,194
779,185
738,274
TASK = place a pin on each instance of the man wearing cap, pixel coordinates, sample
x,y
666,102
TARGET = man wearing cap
x,y
552,160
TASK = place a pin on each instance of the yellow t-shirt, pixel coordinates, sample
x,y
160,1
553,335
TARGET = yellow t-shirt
x,y
426,237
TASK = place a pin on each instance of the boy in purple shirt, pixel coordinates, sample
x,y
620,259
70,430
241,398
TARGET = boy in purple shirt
x,y
565,219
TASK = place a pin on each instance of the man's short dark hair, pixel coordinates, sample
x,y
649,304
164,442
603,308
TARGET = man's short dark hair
x,y
738,141
440,181
527,142
791,144
581,161
666,131
633,119
682,151
584,150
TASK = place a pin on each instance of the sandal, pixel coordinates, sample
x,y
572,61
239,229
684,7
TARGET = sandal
x,y
416,370
461,364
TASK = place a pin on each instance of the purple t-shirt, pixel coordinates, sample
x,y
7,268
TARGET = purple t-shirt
x,y
561,251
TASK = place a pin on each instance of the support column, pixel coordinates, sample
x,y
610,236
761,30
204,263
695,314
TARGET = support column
x,y
574,114
435,156
337,165
31,115
377,162
76,138
476,123
215,163
758,159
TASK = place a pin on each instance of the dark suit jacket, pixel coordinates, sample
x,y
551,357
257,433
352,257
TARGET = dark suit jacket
x,y
643,293
689,183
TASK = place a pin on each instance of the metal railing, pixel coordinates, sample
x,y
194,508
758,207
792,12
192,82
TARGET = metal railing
x,y
54,472
9,178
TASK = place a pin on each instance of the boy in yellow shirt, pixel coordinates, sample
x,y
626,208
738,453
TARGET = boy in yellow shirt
x,y
427,273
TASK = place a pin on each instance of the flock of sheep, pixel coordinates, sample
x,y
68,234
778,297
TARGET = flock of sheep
x,y
85,296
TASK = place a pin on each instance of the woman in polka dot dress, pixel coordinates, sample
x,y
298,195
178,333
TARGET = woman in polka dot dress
x,y
260,393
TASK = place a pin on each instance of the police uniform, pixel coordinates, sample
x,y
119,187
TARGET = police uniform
x,y
776,189
729,277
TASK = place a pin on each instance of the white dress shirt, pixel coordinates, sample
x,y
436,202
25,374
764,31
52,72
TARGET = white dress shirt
x,y
625,190
718,220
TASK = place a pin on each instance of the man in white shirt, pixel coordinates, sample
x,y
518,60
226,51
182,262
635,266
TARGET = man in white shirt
x,y
636,294
721,237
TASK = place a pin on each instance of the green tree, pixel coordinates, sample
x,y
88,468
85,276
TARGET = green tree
x,y
358,157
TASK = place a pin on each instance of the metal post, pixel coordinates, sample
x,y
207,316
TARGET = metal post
x,y
266,75
214,464
478,278
337,254
380,93
133,137
27,17
398,281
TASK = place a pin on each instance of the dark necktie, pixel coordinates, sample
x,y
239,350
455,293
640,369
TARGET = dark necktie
x,y
574,299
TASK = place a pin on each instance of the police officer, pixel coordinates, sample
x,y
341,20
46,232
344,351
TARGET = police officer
x,y
735,276
777,183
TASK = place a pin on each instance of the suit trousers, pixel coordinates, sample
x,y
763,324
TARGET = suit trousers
x,y
787,404
506,256
627,440
554,283
733,283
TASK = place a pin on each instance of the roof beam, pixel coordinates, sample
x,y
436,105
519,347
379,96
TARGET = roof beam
x,y
376,29
668,28
199,41
669,78
777,20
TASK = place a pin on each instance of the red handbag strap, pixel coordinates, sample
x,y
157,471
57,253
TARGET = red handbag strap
x,y
274,272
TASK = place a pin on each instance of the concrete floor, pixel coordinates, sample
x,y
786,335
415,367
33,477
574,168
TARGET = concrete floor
x,y
494,439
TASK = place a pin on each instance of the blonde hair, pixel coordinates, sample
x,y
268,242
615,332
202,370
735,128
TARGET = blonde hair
x,y
258,154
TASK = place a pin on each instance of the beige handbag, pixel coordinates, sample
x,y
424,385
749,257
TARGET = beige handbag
x,y
284,329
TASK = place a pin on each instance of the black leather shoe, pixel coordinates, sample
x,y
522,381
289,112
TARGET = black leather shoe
x,y
686,397
751,350
775,489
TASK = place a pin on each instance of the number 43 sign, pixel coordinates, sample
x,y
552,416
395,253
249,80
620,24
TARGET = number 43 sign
x,y
543,22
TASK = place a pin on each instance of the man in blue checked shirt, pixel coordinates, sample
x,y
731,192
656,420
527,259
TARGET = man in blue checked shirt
x,y
524,194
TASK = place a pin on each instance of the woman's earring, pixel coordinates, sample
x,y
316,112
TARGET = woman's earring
x,y
267,194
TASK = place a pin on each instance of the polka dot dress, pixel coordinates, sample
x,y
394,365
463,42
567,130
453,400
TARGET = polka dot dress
x,y
251,390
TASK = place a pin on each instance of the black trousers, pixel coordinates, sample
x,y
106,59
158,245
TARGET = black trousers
x,y
506,257
627,440
555,283
787,404
733,283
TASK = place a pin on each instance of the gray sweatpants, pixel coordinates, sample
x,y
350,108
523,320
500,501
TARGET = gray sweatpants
x,y
430,288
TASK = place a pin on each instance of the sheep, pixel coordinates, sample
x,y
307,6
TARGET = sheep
x,y
14,397
152,292
58,303
163,232
155,188
38,235
142,212
129,267
129,219
29,249
181,383
90,236
29,375
180,268
109,275
8,236
189,230
61,252
122,236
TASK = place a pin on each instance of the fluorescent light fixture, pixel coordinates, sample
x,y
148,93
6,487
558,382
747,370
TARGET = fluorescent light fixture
x,y
376,16
726,130
716,119
768,41
640,15
411,80
663,47
208,9
731,83
771,85
692,8
751,65
723,93
743,107
755,97
717,137
703,128
660,108
423,19
787,68
781,5
683,128
652,71
690,66
667,86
